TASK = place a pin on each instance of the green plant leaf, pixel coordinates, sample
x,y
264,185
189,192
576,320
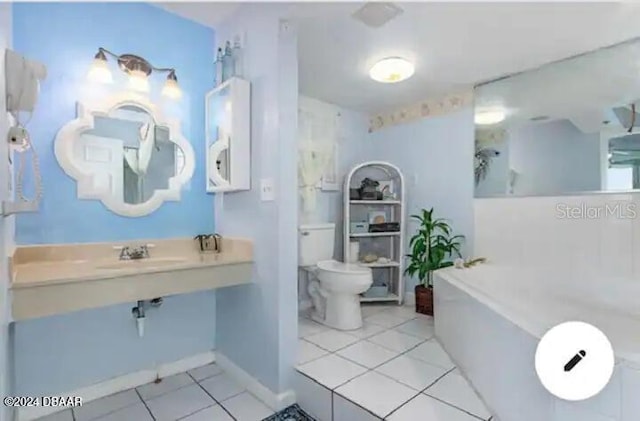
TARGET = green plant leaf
x,y
432,246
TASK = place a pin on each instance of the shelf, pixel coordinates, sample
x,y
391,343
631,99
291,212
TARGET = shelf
x,y
389,297
375,202
375,234
361,210
381,265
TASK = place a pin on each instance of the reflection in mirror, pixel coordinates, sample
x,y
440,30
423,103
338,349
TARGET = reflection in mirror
x,y
219,133
132,155
567,127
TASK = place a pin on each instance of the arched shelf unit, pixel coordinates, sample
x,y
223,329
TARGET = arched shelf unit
x,y
385,243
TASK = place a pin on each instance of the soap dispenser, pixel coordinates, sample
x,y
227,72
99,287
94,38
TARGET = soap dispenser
x,y
218,69
237,57
227,62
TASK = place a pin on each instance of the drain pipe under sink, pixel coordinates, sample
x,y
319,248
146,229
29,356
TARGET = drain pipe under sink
x,y
139,313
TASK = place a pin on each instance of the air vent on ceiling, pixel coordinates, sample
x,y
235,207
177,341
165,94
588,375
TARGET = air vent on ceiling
x,y
376,14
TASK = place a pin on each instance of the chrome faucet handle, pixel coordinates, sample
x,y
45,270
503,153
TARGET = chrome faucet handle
x,y
124,253
142,251
131,252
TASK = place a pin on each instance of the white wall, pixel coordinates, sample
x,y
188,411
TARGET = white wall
x,y
6,224
536,231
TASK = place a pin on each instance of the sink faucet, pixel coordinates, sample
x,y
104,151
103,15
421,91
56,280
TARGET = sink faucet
x,y
134,253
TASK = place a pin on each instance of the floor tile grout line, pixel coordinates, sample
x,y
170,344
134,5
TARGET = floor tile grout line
x,y
367,339
422,393
334,394
199,410
211,396
167,392
115,410
451,370
374,369
403,404
418,392
455,407
145,404
385,329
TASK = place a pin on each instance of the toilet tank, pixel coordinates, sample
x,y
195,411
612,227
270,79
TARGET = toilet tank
x,y
315,243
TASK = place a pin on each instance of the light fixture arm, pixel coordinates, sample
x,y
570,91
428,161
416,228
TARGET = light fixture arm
x,y
138,69
129,62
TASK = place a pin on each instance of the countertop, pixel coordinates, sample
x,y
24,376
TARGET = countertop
x,y
33,266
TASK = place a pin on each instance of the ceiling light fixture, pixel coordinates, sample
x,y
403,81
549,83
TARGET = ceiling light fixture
x,y
392,70
488,117
138,70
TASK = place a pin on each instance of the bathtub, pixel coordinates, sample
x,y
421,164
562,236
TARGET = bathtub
x,y
490,318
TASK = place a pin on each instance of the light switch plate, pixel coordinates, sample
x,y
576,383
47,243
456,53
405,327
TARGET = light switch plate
x,y
267,190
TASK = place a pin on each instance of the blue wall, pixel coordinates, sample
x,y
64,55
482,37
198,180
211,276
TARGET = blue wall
x,y
436,156
65,37
66,352
257,323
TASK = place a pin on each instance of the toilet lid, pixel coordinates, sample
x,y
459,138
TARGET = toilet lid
x,y
335,266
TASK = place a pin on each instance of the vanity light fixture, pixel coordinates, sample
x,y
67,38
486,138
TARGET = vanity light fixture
x,y
392,70
138,70
489,117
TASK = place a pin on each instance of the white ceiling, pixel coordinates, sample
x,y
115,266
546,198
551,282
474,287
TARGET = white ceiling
x,y
209,13
453,45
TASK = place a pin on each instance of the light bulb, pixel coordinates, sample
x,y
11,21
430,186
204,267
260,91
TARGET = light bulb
x,y
392,70
171,89
138,81
99,72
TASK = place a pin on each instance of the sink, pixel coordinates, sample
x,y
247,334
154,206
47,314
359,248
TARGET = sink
x,y
149,263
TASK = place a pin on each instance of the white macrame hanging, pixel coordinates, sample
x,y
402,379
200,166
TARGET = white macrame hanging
x,y
313,160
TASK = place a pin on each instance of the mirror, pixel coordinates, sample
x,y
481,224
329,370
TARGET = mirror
x,y
568,127
219,136
126,155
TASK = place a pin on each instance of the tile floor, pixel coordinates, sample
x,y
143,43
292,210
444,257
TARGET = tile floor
x,y
202,394
391,369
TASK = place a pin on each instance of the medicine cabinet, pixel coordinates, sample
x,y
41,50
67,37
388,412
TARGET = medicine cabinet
x,y
228,141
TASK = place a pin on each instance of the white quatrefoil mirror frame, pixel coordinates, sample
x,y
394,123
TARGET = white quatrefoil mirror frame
x,y
93,182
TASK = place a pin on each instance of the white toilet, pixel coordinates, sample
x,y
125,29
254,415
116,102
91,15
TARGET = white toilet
x,y
334,287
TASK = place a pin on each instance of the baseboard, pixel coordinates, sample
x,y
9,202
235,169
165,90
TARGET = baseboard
x,y
274,401
121,383
409,299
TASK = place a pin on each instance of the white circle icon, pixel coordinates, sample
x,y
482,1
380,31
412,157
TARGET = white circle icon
x,y
574,361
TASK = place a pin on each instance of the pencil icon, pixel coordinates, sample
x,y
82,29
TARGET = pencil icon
x,y
575,360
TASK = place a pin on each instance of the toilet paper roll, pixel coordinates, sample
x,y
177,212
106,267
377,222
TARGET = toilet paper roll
x,y
354,251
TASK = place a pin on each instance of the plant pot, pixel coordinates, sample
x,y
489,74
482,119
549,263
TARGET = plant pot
x,y
424,300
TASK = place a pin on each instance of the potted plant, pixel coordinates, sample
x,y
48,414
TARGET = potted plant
x,y
432,248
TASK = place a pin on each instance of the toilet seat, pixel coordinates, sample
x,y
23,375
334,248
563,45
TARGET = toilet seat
x,y
340,267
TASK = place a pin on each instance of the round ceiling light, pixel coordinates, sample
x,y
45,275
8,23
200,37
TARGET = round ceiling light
x,y
391,70
488,117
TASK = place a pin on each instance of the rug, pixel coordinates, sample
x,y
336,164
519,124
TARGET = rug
x,y
292,413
